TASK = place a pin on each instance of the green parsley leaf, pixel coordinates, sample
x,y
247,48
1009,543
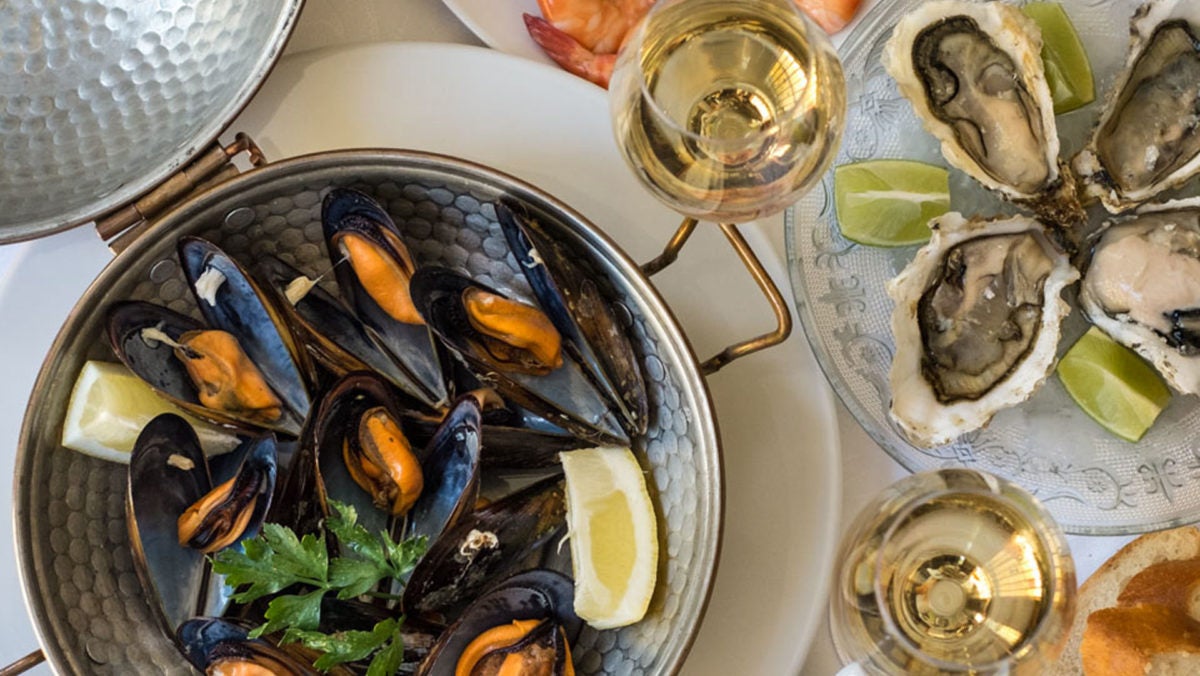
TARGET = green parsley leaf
x,y
301,611
345,646
404,556
355,576
388,660
343,523
277,559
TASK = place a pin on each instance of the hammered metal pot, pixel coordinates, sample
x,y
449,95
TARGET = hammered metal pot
x,y
101,100
72,542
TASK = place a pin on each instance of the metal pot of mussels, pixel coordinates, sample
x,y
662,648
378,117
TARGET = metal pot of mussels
x,y
346,317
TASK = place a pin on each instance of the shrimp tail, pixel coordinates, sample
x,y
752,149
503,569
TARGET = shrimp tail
x,y
568,53
831,15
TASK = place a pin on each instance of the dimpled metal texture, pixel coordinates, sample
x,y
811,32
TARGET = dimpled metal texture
x,y
73,545
102,99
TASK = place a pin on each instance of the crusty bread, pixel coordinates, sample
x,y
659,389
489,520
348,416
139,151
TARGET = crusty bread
x,y
1174,584
1141,639
1105,585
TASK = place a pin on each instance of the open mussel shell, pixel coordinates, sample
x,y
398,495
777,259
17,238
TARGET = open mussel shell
x,y
532,595
451,468
513,438
168,473
231,301
449,461
565,396
216,646
345,212
156,364
572,301
327,328
484,546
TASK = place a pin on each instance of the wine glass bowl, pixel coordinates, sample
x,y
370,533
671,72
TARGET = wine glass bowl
x,y
727,110
952,571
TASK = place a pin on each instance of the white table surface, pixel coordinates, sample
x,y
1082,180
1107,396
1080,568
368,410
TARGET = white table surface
x,y
866,469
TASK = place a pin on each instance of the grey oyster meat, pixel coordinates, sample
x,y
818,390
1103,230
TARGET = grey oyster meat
x,y
973,73
1142,288
976,323
1148,138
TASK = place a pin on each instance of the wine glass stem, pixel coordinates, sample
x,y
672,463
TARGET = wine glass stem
x,y
783,318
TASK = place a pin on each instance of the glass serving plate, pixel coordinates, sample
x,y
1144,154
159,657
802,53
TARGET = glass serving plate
x,y
1092,481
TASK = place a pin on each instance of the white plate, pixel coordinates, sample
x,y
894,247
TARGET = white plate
x,y
775,412
500,25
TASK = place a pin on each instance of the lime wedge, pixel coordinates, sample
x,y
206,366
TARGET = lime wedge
x,y
1113,385
1067,70
889,202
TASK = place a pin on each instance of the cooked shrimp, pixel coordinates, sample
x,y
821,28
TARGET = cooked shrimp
x,y
568,53
598,25
583,36
831,15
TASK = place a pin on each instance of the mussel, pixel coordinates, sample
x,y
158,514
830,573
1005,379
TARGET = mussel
x,y
329,330
564,395
175,516
487,544
373,269
357,439
195,368
527,621
230,300
220,648
580,313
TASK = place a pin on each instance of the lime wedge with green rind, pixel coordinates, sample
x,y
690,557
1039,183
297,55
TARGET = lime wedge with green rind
x,y
889,202
1113,385
1067,69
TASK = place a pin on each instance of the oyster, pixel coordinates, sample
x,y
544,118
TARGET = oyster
x,y
976,324
973,73
1148,138
1142,288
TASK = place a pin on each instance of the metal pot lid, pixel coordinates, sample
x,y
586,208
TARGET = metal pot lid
x,y
101,100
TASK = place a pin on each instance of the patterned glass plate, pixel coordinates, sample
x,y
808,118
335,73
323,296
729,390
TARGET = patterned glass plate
x,y
1092,481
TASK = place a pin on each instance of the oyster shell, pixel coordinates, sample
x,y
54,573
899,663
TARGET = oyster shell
x,y
973,73
1142,288
976,324
1148,138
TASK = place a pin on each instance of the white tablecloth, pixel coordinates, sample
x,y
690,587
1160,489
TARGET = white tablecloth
x,y
866,469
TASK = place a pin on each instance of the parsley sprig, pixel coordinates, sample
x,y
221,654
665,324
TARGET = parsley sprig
x,y
277,559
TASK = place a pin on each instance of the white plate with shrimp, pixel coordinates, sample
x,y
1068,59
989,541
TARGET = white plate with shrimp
x,y
596,27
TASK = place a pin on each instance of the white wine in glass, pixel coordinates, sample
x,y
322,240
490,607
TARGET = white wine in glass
x,y
952,571
727,109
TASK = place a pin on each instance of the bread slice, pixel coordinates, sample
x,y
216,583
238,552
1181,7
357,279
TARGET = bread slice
x,y
1141,639
1174,584
1105,585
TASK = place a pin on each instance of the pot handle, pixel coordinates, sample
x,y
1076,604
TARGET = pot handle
x,y
24,664
119,228
783,316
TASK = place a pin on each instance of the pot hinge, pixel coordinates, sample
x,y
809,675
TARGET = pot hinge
x,y
120,228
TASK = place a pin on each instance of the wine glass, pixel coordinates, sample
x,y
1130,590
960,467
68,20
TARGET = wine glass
x,y
952,571
727,110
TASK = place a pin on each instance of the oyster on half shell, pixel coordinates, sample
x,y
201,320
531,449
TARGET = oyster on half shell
x,y
1148,137
1142,288
973,73
976,324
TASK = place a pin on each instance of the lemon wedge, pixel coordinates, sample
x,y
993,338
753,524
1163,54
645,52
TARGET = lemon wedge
x,y
1113,385
614,539
109,407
